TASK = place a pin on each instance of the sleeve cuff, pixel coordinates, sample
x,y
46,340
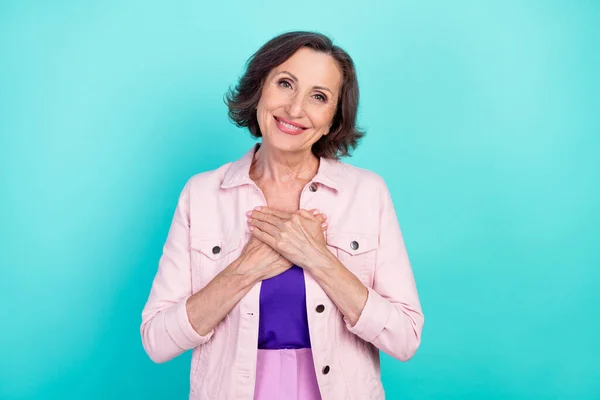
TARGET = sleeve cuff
x,y
180,329
373,317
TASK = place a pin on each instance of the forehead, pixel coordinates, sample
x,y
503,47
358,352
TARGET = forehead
x,y
312,68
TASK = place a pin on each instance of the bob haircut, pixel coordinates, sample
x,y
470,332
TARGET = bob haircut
x,y
242,100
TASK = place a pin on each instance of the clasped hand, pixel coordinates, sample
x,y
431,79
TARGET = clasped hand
x,y
297,237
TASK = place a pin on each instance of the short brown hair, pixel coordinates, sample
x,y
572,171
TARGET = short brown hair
x,y
242,100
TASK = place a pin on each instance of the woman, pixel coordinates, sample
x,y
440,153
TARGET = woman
x,y
286,271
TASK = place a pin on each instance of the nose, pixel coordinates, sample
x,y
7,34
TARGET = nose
x,y
295,106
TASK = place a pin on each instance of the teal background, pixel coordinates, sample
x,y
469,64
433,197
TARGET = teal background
x,y
482,118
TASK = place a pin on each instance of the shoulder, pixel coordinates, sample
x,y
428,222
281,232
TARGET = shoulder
x,y
356,178
208,180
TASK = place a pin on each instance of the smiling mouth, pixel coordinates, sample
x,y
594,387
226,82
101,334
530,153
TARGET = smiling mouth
x,y
288,127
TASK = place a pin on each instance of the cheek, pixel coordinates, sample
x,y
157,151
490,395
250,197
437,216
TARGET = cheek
x,y
263,116
322,118
271,98
264,108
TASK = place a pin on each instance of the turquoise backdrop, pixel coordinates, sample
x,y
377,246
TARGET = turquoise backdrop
x,y
483,117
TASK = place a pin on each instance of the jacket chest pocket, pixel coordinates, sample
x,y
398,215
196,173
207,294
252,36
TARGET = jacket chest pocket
x,y
358,253
211,256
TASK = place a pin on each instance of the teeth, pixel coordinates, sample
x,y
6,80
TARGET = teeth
x,y
289,126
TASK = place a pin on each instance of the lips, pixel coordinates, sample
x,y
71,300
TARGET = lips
x,y
289,127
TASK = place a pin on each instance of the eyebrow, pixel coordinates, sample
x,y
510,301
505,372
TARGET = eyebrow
x,y
296,79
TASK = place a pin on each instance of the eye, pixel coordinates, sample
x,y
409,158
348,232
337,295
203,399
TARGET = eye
x,y
284,83
320,97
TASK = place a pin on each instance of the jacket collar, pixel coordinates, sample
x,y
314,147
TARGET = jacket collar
x,y
330,172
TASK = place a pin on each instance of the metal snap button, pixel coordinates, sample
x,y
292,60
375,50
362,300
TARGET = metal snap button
x,y
216,250
325,370
354,245
320,308
313,187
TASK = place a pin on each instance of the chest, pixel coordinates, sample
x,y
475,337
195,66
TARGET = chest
x,y
283,197
219,228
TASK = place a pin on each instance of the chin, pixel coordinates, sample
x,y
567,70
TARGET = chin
x,y
282,142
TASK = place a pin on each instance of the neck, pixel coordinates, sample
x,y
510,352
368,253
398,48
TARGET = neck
x,y
283,167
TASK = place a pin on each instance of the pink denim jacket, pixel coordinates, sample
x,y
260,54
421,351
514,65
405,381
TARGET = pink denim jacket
x,y
363,233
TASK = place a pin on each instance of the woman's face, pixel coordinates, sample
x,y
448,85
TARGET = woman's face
x,y
299,99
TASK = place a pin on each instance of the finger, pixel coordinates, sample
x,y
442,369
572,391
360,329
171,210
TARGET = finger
x,y
263,236
319,217
268,218
264,226
315,212
311,215
320,214
270,211
322,217
308,214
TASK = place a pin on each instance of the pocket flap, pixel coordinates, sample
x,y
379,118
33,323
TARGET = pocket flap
x,y
353,243
215,248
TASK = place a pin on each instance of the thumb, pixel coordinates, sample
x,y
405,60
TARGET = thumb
x,y
314,214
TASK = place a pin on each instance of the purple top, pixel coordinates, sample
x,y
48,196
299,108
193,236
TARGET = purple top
x,y
283,323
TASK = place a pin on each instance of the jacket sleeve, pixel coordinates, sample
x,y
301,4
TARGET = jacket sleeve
x,y
166,330
391,319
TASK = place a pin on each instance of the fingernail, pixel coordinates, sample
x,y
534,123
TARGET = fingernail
x,y
324,216
324,224
257,208
315,212
251,228
249,213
